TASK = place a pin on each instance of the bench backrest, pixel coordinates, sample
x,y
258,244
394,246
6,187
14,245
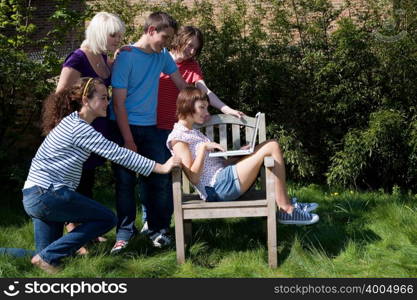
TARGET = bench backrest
x,y
231,133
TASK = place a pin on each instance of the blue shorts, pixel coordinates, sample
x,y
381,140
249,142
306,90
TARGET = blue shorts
x,y
227,186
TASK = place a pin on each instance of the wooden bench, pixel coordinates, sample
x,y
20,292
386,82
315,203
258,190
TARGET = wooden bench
x,y
254,203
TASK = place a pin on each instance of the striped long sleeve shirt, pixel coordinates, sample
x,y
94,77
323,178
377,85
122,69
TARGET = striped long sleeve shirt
x,y
59,160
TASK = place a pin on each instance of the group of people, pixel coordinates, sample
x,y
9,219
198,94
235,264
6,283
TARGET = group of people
x,y
157,96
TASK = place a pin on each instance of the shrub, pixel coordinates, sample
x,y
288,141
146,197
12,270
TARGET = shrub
x,y
327,78
24,83
337,85
376,155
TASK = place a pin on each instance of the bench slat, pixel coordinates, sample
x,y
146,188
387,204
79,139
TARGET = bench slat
x,y
185,184
236,136
227,119
223,136
225,212
210,133
204,204
248,134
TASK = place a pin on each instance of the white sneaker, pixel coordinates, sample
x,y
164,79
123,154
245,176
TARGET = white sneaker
x,y
145,229
160,239
119,246
297,217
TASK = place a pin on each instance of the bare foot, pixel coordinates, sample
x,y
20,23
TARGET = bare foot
x,y
41,264
70,226
100,239
82,251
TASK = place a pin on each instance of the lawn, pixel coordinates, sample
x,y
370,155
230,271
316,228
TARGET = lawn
x,y
360,234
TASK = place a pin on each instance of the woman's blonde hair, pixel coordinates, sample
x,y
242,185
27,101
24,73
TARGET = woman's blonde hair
x,y
101,26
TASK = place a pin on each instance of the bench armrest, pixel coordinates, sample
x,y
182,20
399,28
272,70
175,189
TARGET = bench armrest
x,y
269,162
176,174
176,187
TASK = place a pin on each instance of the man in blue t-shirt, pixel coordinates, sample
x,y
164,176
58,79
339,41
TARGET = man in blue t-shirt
x,y
135,80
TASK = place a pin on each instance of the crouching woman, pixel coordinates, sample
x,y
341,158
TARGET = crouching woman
x,y
218,179
49,196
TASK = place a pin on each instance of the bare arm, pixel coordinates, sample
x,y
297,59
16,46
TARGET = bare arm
x,y
67,78
216,102
119,98
174,161
193,168
178,80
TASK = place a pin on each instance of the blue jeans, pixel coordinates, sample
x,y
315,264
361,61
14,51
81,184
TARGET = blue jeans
x,y
17,252
161,157
155,191
87,179
49,210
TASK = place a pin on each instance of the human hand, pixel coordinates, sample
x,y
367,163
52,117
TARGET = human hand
x,y
174,161
245,147
131,146
121,49
210,146
230,111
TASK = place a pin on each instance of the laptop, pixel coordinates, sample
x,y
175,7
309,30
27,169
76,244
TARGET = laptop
x,y
241,152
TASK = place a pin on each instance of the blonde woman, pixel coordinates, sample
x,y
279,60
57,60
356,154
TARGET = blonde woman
x,y
103,34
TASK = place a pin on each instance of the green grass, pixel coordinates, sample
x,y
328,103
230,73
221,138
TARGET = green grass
x,y
360,234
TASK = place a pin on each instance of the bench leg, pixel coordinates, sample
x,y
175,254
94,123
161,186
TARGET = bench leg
x,y
272,241
179,242
188,229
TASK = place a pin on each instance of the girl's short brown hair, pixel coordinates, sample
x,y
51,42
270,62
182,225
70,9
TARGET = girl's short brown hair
x,y
186,101
184,35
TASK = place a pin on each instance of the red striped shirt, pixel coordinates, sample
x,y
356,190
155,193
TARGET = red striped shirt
x,y
167,94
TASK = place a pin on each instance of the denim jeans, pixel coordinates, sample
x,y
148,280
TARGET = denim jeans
x,y
87,179
166,181
49,210
155,191
17,252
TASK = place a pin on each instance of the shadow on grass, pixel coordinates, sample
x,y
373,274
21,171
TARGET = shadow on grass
x,y
341,220
12,213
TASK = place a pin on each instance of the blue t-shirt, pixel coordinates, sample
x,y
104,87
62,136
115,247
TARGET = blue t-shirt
x,y
139,72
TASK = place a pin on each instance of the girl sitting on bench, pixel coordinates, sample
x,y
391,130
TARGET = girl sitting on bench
x,y
218,179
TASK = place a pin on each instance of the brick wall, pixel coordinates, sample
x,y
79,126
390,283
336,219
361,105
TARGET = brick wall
x,y
337,3
40,17
44,10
